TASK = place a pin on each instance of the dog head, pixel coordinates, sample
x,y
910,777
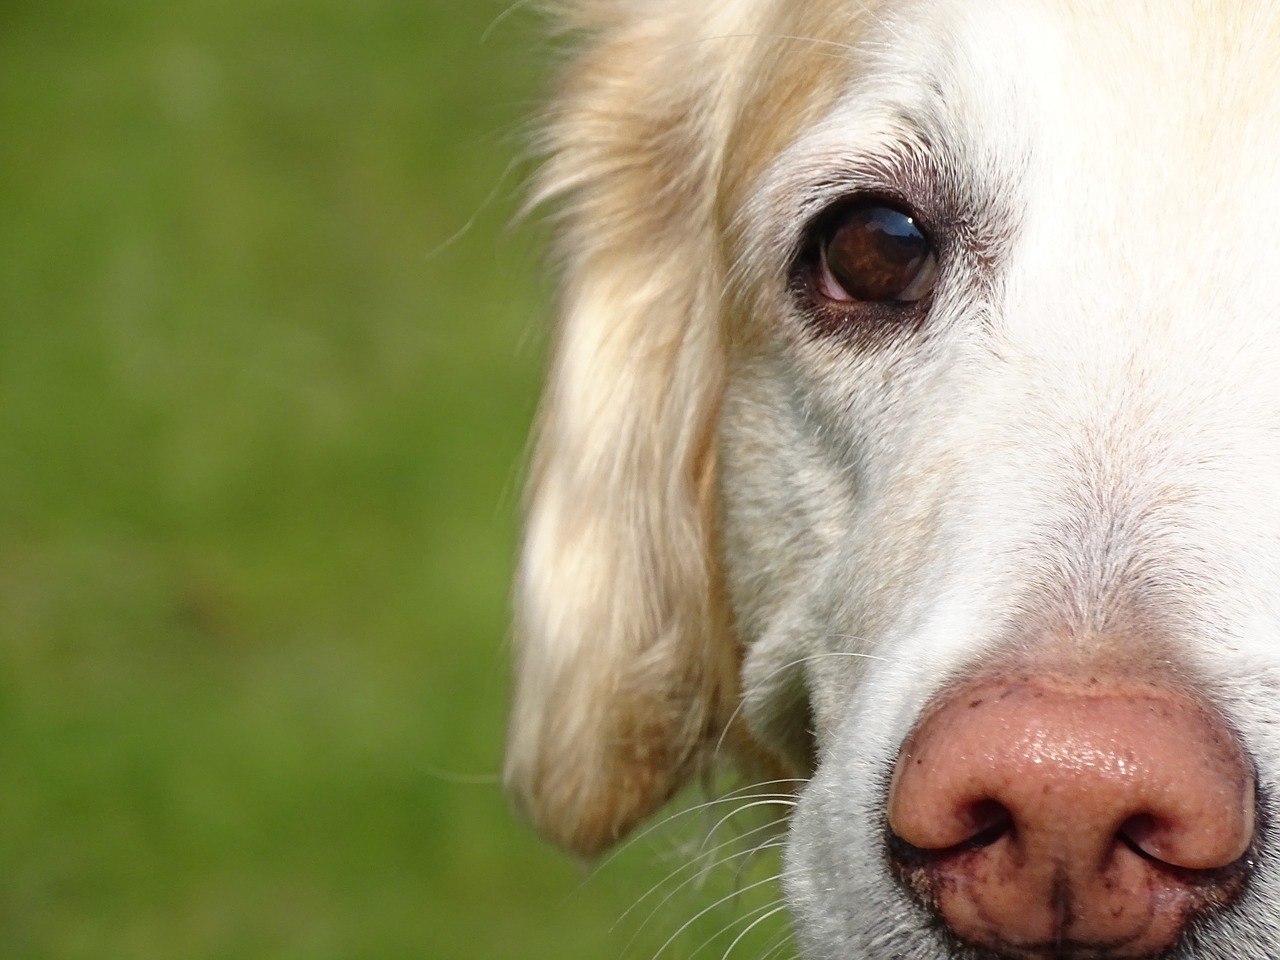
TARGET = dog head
x,y
916,354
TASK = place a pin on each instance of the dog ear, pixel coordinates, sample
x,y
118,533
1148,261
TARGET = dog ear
x,y
626,675
627,672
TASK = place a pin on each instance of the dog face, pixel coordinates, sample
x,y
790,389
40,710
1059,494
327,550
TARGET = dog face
x,y
914,430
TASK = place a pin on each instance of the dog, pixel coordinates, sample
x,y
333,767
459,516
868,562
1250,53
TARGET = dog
x,y
912,435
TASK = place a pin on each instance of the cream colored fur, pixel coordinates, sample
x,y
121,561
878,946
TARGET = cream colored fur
x,y
751,540
627,673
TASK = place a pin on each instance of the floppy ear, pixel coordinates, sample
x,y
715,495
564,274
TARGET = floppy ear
x,y
626,674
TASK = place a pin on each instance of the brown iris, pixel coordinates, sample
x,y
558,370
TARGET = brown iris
x,y
876,254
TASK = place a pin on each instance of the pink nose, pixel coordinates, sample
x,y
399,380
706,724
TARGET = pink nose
x,y
1070,814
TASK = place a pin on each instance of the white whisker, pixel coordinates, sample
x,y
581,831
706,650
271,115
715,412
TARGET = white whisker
x,y
773,912
707,909
692,864
745,856
767,909
789,665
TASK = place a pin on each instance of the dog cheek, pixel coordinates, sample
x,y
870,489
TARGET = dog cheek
x,y
783,511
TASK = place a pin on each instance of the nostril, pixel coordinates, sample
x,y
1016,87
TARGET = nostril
x,y
991,820
1141,834
979,825
984,824
1039,810
1169,841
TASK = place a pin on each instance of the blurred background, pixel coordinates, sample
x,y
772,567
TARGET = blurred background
x,y
269,350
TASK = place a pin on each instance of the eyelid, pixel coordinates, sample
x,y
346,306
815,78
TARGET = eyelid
x,y
900,174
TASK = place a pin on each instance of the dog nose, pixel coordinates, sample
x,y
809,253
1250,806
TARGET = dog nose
x,y
1065,815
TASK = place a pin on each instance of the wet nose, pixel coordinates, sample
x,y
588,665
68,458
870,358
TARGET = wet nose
x,y
1071,814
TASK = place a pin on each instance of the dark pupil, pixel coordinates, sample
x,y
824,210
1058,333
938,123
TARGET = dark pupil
x,y
875,253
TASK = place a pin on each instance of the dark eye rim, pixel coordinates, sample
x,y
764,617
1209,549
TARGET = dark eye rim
x,y
857,317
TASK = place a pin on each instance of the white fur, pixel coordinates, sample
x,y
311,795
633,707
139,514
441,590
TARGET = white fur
x,y
1083,441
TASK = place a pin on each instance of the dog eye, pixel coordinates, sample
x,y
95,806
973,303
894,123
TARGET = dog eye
x,y
875,254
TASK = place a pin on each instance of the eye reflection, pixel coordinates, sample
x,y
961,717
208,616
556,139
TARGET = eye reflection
x,y
875,253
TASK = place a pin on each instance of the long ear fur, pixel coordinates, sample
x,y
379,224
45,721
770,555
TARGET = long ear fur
x,y
627,674
625,670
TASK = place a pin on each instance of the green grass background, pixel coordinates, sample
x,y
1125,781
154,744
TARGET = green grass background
x,y
269,350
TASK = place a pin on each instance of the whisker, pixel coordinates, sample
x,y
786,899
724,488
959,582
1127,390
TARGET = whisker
x,y
735,796
707,909
783,941
789,665
767,909
776,909
688,865
744,855
772,800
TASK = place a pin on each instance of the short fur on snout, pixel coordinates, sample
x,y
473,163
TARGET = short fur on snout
x,y
770,530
